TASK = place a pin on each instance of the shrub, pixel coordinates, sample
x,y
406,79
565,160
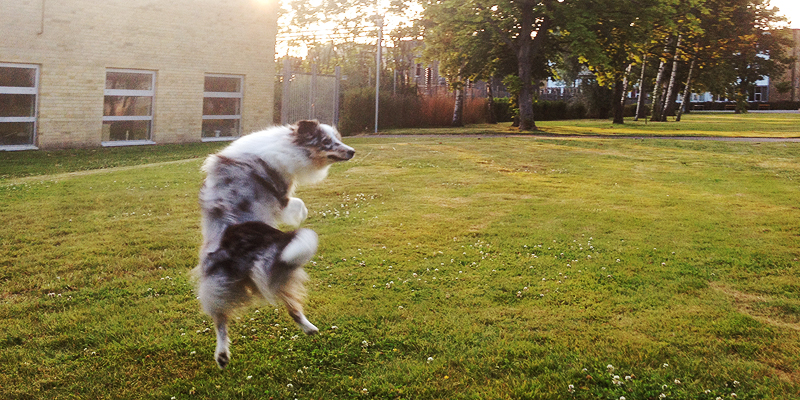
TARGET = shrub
x,y
503,109
597,99
476,111
357,112
436,111
630,110
576,110
403,111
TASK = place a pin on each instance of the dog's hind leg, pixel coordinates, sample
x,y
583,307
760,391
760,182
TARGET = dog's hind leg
x,y
223,353
295,309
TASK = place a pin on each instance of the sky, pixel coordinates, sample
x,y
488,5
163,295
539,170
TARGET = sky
x,y
790,9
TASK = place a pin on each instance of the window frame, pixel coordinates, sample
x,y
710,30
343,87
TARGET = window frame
x,y
224,95
131,93
25,91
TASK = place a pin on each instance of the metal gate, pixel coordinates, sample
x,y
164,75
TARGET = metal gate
x,y
310,96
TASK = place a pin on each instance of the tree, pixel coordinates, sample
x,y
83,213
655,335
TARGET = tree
x,y
742,42
453,36
519,28
612,36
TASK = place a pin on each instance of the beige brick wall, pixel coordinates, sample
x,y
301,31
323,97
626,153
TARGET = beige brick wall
x,y
181,40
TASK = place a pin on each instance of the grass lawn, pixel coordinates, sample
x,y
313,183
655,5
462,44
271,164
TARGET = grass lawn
x,y
458,268
758,125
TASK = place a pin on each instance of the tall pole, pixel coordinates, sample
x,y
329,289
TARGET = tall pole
x,y
285,96
378,57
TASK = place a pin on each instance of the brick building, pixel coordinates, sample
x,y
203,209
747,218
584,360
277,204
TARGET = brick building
x,y
82,73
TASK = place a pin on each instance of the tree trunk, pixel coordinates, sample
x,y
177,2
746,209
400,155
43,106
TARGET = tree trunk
x,y
620,90
686,94
528,48
490,102
642,92
656,103
619,110
671,85
458,109
526,118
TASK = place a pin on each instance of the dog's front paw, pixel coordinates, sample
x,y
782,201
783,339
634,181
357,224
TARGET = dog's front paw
x,y
295,212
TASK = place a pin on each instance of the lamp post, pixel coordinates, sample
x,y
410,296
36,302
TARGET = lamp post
x,y
378,57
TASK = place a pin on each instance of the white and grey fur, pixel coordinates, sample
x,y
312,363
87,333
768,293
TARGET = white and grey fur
x,y
255,261
246,196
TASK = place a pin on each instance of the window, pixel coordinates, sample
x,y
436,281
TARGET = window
x,y
128,107
222,107
19,88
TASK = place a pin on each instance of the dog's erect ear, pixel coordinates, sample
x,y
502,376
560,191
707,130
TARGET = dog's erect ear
x,y
305,127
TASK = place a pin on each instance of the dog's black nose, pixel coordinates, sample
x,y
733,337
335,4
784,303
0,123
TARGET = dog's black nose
x,y
350,154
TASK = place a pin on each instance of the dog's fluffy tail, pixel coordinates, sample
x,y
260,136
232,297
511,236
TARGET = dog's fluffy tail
x,y
302,247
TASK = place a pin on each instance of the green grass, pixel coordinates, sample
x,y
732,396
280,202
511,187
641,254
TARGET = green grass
x,y
757,125
461,268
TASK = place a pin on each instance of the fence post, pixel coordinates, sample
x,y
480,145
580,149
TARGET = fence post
x,y
312,97
336,96
287,75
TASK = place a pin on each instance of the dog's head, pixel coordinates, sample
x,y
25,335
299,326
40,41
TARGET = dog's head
x,y
322,142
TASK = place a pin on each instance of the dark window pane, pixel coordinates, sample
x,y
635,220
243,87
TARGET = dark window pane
x,y
223,84
17,77
16,133
117,106
220,106
220,128
129,81
126,130
17,105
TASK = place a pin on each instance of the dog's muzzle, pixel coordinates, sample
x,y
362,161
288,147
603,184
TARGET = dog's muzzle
x,y
342,155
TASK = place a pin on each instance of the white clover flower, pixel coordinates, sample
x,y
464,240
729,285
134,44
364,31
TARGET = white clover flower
x,y
290,386
665,365
571,389
735,383
677,382
610,367
430,360
662,396
733,395
249,377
